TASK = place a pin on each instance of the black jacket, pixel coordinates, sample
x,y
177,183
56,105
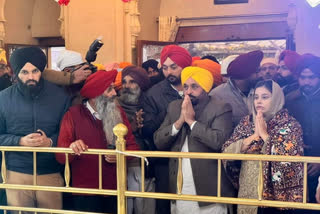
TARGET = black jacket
x,y
21,115
307,111
155,106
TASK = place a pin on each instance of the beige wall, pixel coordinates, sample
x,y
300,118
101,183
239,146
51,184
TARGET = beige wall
x,y
308,28
103,18
150,11
45,19
205,8
18,15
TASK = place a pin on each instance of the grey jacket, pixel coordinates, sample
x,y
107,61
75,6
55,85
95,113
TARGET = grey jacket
x,y
229,93
212,129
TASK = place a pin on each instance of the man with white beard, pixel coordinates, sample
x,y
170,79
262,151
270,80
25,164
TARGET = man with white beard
x,y
135,82
89,125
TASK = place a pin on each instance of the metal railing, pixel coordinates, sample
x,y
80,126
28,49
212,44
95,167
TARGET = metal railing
x,y
122,193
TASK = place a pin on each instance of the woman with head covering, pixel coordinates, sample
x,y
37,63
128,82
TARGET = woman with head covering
x,y
268,130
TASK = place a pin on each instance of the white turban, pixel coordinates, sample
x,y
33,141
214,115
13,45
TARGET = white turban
x,y
269,60
68,58
225,63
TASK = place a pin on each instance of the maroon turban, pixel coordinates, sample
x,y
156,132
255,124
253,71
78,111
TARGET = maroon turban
x,y
290,58
245,65
309,61
139,75
97,83
177,54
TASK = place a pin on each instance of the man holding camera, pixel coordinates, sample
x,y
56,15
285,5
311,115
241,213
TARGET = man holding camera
x,y
30,114
68,62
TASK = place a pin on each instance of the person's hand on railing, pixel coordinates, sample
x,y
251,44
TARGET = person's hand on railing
x,y
78,147
38,139
110,158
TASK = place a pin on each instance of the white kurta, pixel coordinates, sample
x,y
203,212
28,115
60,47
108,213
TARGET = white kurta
x,y
188,188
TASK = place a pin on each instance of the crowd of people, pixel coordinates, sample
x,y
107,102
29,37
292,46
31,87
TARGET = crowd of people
x,y
247,105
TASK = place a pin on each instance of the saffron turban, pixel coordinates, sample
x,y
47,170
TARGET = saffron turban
x,y
118,80
202,76
122,65
211,66
3,57
291,59
97,83
177,54
139,75
245,65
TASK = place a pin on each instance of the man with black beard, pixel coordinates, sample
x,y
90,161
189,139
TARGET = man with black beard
x,y
5,82
304,105
30,114
198,123
90,125
286,75
173,59
238,90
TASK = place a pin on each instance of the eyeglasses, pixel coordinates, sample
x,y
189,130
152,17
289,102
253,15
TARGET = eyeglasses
x,y
271,68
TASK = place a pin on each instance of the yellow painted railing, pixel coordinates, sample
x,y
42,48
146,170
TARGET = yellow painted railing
x,y
122,193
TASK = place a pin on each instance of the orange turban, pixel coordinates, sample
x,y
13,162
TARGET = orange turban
x,y
118,81
202,76
122,65
195,58
211,66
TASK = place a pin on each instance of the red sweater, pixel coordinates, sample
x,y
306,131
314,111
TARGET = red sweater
x,y
79,123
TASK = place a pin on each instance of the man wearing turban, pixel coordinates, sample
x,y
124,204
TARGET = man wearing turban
x,y
154,72
173,59
286,76
5,71
238,90
90,125
268,69
304,105
30,113
211,66
135,82
198,123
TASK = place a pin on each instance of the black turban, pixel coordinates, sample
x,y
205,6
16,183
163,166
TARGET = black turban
x,y
33,55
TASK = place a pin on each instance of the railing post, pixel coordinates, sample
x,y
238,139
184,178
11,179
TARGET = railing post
x,y
121,131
